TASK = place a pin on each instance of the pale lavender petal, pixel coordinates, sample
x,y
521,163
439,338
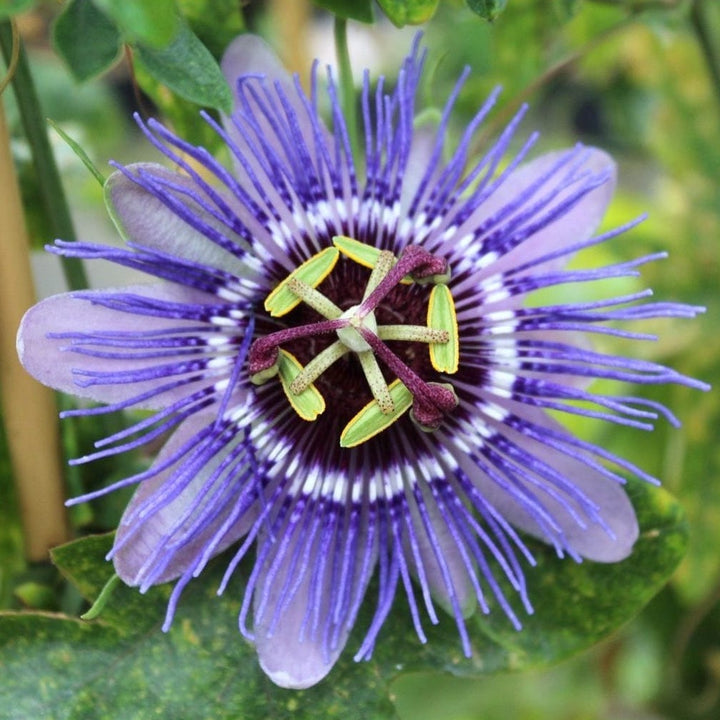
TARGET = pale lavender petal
x,y
250,55
313,572
192,505
288,660
610,541
143,219
574,226
58,339
265,94
450,582
250,58
421,151
549,206
555,496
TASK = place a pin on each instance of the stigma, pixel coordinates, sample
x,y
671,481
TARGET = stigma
x,y
394,387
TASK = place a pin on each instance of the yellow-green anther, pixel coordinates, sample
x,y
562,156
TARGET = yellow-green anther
x,y
441,315
260,378
307,404
376,381
314,298
440,279
317,366
412,333
365,255
362,254
371,421
312,272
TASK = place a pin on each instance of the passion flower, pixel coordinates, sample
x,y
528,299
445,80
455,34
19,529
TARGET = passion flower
x,y
339,353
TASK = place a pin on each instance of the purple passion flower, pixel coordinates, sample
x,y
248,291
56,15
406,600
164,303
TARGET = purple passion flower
x,y
337,351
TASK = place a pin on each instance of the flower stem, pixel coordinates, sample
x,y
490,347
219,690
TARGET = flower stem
x,y
28,408
46,171
289,21
700,23
347,84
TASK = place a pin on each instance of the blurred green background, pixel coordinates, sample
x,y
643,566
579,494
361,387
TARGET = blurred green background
x,y
640,79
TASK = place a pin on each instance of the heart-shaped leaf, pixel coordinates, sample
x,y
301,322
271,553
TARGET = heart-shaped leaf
x,y
187,67
153,23
86,39
408,12
488,9
12,7
122,665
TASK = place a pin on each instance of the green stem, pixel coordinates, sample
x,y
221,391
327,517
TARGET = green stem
x,y
99,605
347,85
711,52
51,190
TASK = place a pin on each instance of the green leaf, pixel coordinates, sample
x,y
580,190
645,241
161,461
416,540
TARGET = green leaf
x,y
86,39
187,67
153,24
179,113
35,595
408,12
349,9
215,22
576,605
122,665
488,9
12,7
79,151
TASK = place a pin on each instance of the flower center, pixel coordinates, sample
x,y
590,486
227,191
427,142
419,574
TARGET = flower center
x,y
358,332
351,335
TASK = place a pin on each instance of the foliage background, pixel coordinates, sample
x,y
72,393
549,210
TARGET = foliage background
x,y
640,78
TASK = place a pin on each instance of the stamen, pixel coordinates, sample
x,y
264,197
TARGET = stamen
x,y
415,261
376,382
261,377
365,255
317,366
412,333
314,298
357,331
